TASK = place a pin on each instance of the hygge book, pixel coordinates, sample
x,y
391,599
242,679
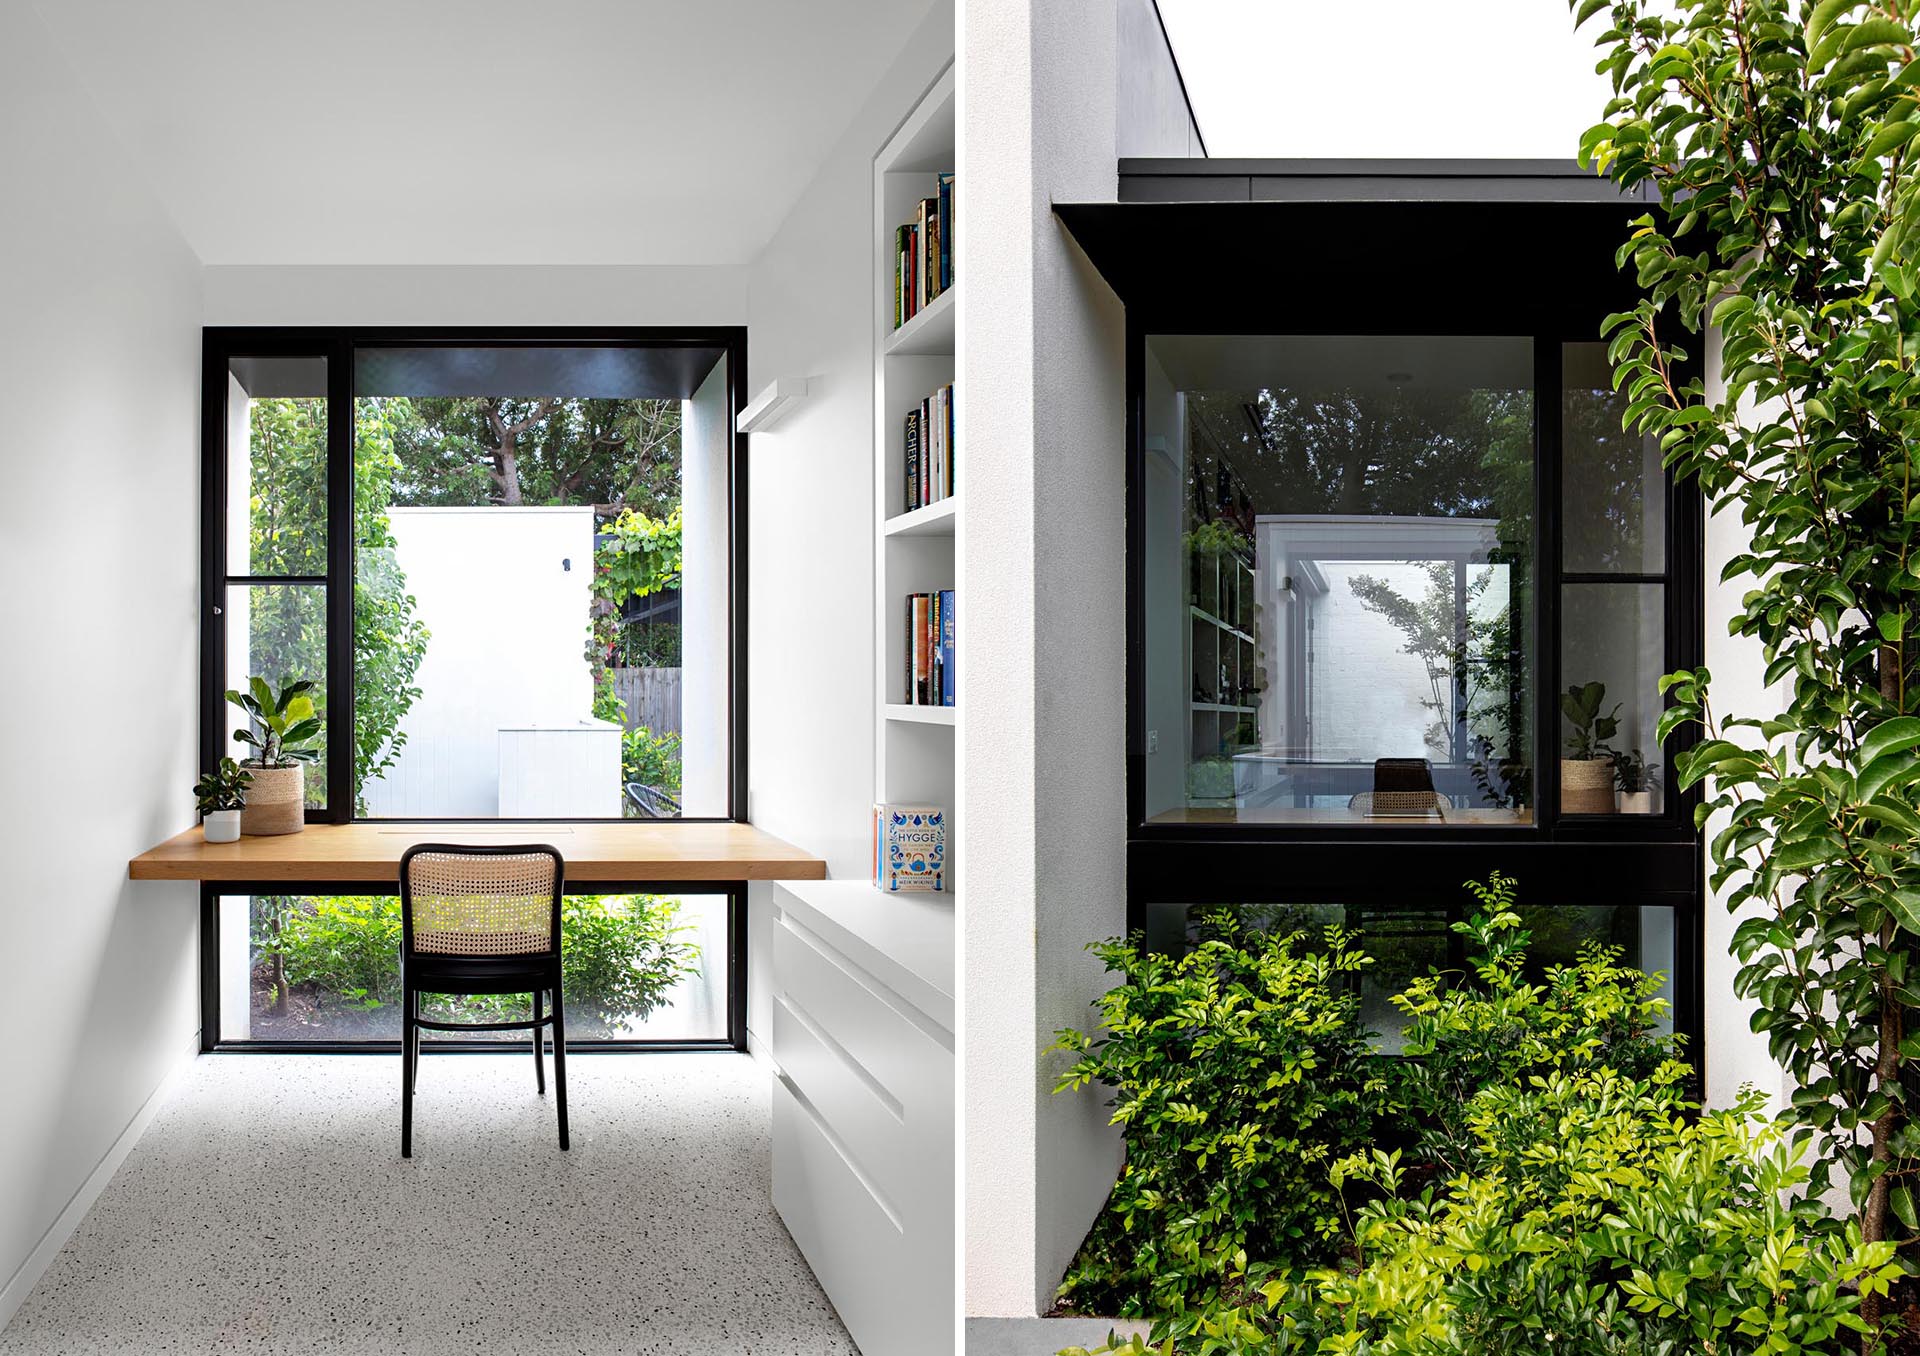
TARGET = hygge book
x,y
909,848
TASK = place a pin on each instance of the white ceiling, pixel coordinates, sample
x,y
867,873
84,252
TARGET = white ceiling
x,y
479,131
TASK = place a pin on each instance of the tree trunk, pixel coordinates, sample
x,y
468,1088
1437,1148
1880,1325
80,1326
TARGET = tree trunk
x,y
279,970
506,470
1875,1219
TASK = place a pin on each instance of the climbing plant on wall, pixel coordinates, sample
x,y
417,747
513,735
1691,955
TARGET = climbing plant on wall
x,y
1784,142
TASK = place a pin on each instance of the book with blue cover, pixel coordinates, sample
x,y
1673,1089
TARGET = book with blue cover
x,y
946,647
909,848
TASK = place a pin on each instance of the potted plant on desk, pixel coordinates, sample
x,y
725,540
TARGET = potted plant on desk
x,y
220,795
1586,773
282,728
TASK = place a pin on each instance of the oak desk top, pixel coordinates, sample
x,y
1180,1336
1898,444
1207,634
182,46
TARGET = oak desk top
x,y
620,852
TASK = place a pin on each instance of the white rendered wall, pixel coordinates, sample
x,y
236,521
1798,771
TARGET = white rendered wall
x,y
810,510
705,642
100,364
508,623
325,294
1734,1054
1043,815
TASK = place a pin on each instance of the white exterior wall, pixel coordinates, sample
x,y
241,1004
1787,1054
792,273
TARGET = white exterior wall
x,y
508,623
99,678
810,743
1734,1054
1043,816
705,644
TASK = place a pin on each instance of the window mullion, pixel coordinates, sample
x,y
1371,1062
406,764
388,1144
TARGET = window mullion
x,y
1546,589
340,565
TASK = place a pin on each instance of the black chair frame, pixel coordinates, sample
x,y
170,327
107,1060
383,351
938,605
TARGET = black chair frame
x,y
536,974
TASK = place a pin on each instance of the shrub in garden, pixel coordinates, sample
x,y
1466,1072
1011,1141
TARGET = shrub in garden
x,y
1529,1177
1603,1219
1499,1031
1241,1073
620,955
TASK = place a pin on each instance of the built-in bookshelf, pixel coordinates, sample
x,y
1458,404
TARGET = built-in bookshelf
x,y
919,470
1224,701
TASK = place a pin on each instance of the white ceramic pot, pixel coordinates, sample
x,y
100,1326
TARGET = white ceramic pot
x,y
1636,802
222,826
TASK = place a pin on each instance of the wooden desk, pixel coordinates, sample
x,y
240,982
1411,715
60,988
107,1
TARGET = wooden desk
x,y
623,852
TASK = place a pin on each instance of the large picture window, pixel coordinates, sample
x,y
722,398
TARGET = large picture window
x,y
1340,553
509,567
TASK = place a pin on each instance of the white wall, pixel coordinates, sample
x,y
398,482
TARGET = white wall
x,y
505,595
810,515
100,373
322,294
705,642
1043,816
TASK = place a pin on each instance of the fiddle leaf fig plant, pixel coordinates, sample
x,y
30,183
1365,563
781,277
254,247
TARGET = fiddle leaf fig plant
x,y
1782,138
281,726
1592,728
224,788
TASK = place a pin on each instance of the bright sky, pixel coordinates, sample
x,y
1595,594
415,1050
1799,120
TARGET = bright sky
x,y
1387,78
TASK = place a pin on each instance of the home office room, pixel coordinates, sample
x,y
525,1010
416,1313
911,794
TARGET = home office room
x,y
484,635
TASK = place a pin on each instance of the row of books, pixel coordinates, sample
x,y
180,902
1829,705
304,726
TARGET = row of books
x,y
930,627
923,254
929,449
909,848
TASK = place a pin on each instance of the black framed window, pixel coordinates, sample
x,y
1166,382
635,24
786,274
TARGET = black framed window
x,y
314,967
513,564
1381,516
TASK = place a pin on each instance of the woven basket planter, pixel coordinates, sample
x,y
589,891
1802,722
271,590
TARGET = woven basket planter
x,y
276,801
1586,786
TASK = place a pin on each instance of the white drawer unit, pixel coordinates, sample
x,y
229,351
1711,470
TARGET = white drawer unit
x,y
863,1105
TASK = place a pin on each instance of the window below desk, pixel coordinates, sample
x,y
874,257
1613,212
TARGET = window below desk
x,y
313,970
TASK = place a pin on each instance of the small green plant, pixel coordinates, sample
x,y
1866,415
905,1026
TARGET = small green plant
x,y
1633,773
224,788
1210,778
282,726
651,759
1218,538
1592,728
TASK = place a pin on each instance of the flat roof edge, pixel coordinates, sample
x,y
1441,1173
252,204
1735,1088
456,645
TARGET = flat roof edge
x,y
1343,167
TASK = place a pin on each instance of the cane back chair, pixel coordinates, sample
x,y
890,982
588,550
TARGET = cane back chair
x,y
481,920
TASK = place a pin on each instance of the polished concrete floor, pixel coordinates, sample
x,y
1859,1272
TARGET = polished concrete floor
x,y
267,1209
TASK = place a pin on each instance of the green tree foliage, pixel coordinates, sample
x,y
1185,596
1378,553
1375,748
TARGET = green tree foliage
x,y
389,640
288,535
1781,139
470,450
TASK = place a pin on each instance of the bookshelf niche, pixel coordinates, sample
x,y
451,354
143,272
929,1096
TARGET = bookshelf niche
x,y
919,469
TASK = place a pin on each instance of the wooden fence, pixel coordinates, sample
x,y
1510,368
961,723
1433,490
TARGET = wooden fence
x,y
652,697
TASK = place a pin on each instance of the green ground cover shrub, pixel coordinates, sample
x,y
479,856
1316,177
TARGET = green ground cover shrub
x,y
620,954
1529,1177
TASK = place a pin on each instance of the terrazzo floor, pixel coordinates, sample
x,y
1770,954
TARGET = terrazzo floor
x,y
267,1209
